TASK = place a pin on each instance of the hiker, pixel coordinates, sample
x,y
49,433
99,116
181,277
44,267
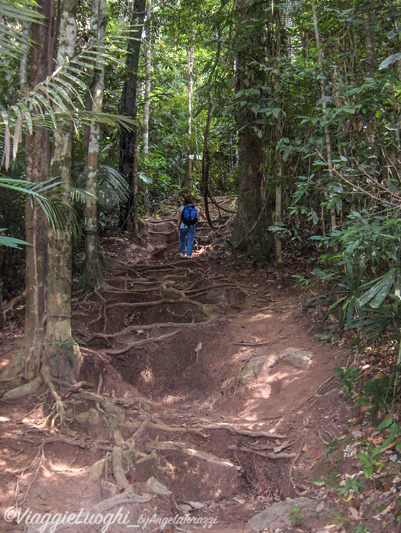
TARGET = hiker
x,y
186,224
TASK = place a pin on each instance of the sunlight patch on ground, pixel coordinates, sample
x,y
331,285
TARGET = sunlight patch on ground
x,y
260,316
63,467
168,400
4,419
242,353
266,389
147,375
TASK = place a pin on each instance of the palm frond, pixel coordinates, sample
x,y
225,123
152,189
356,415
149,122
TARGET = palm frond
x,y
112,187
11,242
80,196
12,40
61,97
48,194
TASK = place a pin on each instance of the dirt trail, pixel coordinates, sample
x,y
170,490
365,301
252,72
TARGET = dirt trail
x,y
205,393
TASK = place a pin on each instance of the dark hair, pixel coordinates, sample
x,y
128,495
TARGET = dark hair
x,y
188,199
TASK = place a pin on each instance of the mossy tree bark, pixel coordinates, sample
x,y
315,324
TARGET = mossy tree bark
x,y
146,99
129,138
62,353
94,275
250,226
48,350
28,362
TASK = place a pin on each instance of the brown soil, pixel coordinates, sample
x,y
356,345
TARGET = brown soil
x,y
166,345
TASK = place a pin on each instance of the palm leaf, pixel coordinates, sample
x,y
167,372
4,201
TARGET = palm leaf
x,y
12,40
112,187
59,97
47,194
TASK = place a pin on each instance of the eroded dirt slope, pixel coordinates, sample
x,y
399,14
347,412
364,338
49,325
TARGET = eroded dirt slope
x,y
205,394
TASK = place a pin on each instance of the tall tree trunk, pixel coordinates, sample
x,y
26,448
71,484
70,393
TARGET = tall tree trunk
x,y
128,138
206,155
62,353
29,360
370,63
249,230
324,105
279,155
98,32
191,57
23,67
146,100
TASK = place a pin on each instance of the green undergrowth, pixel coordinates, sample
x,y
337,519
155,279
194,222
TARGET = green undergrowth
x,y
372,444
364,462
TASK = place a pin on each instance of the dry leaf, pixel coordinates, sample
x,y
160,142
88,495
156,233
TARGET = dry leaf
x,y
353,513
198,348
383,513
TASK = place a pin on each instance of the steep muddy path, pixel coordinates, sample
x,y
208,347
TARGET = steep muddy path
x,y
205,401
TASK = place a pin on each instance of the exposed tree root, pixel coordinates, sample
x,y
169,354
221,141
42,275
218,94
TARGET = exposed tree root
x,y
118,470
174,429
142,342
189,450
24,390
89,336
290,478
38,460
143,425
268,455
7,307
155,303
60,408
264,343
246,432
105,404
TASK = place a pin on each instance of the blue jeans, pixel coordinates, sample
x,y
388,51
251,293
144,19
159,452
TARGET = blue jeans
x,y
187,236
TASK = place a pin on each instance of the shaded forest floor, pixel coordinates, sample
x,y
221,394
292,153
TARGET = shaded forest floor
x,y
206,403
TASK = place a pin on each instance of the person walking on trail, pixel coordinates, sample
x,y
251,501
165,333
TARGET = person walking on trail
x,y
186,224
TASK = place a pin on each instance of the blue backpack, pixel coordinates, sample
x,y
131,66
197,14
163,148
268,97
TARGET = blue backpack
x,y
189,215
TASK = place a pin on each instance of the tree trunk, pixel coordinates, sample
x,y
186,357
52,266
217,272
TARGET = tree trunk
x,y
128,138
191,55
146,101
279,156
324,106
28,361
62,353
278,210
98,31
252,219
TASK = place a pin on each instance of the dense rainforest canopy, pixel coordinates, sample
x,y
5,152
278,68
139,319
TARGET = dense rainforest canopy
x,y
111,107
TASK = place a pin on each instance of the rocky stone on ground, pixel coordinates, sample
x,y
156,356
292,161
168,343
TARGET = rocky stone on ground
x,y
300,512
